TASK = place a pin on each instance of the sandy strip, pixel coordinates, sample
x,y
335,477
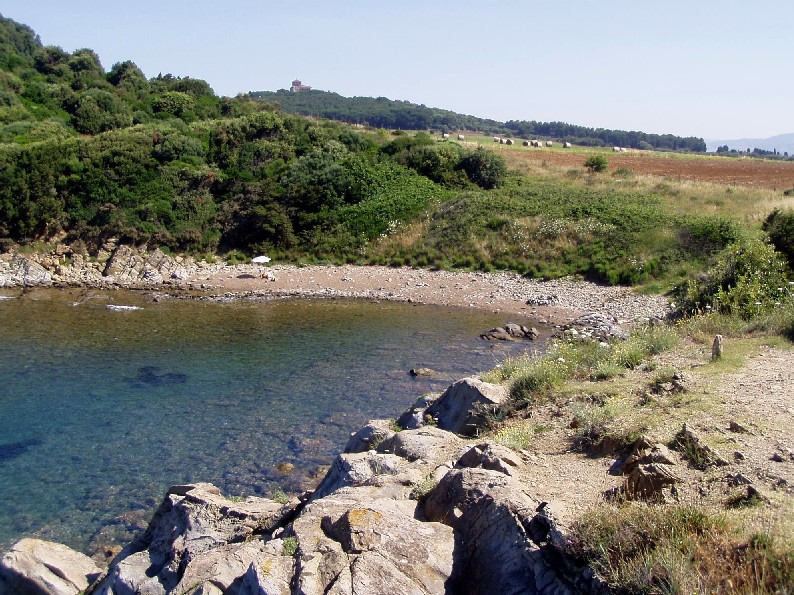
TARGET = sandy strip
x,y
552,301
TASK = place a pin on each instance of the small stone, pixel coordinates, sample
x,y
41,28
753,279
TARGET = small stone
x,y
738,428
739,455
738,479
285,468
422,372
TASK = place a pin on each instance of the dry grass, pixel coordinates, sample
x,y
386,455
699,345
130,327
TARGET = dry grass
x,y
686,549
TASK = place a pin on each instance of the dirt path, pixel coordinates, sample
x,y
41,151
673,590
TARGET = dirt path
x,y
758,399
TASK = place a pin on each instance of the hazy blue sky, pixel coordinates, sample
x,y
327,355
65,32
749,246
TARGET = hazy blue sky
x,y
698,67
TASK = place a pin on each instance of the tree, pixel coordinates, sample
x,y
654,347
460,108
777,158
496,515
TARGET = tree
x,y
596,163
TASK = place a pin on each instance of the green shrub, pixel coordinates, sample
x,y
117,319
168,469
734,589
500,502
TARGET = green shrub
x,y
596,163
779,226
747,279
289,546
536,381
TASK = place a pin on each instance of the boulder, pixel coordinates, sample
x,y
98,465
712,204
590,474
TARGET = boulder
x,y
270,576
594,326
414,417
426,444
511,331
489,455
192,521
700,454
41,567
18,271
648,482
370,436
645,452
464,406
500,543
224,566
351,543
460,489
360,469
422,372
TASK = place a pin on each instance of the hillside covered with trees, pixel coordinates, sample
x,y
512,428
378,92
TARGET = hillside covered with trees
x,y
88,154
165,161
387,113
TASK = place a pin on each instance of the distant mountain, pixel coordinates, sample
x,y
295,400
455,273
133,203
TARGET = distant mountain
x,y
784,143
388,113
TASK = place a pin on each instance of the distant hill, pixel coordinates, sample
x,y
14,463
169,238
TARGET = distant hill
x,y
784,143
388,113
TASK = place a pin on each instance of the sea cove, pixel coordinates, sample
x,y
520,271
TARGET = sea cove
x,y
102,409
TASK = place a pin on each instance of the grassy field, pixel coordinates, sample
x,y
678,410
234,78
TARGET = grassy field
x,y
722,171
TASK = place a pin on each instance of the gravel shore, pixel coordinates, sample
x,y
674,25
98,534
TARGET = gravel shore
x,y
554,301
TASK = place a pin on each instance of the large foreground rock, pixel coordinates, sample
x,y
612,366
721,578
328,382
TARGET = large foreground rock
x,y
352,542
33,566
464,406
501,536
195,533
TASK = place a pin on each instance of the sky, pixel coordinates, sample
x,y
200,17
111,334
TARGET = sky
x,y
704,68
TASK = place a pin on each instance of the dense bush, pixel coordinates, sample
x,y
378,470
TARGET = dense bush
x,y
779,226
596,163
747,279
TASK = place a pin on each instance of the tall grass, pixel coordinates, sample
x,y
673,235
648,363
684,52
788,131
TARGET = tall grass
x,y
531,379
683,548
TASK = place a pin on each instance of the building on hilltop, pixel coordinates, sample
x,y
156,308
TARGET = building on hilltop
x,y
299,86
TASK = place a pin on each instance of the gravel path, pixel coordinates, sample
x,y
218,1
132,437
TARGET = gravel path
x,y
556,301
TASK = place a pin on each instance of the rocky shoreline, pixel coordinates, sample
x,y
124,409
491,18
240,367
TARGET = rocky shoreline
x,y
118,266
425,510
425,507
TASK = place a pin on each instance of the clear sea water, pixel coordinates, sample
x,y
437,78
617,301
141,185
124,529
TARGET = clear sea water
x,y
101,410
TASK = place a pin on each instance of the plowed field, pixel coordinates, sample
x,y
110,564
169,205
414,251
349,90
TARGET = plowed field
x,y
730,171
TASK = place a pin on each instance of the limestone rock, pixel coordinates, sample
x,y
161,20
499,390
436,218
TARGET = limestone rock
x,y
191,521
370,436
42,567
427,444
357,469
352,543
18,271
463,407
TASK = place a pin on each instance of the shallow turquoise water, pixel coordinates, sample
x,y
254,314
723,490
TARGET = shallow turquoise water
x,y
101,411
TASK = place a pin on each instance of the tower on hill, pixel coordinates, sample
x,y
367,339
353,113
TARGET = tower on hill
x,y
298,86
